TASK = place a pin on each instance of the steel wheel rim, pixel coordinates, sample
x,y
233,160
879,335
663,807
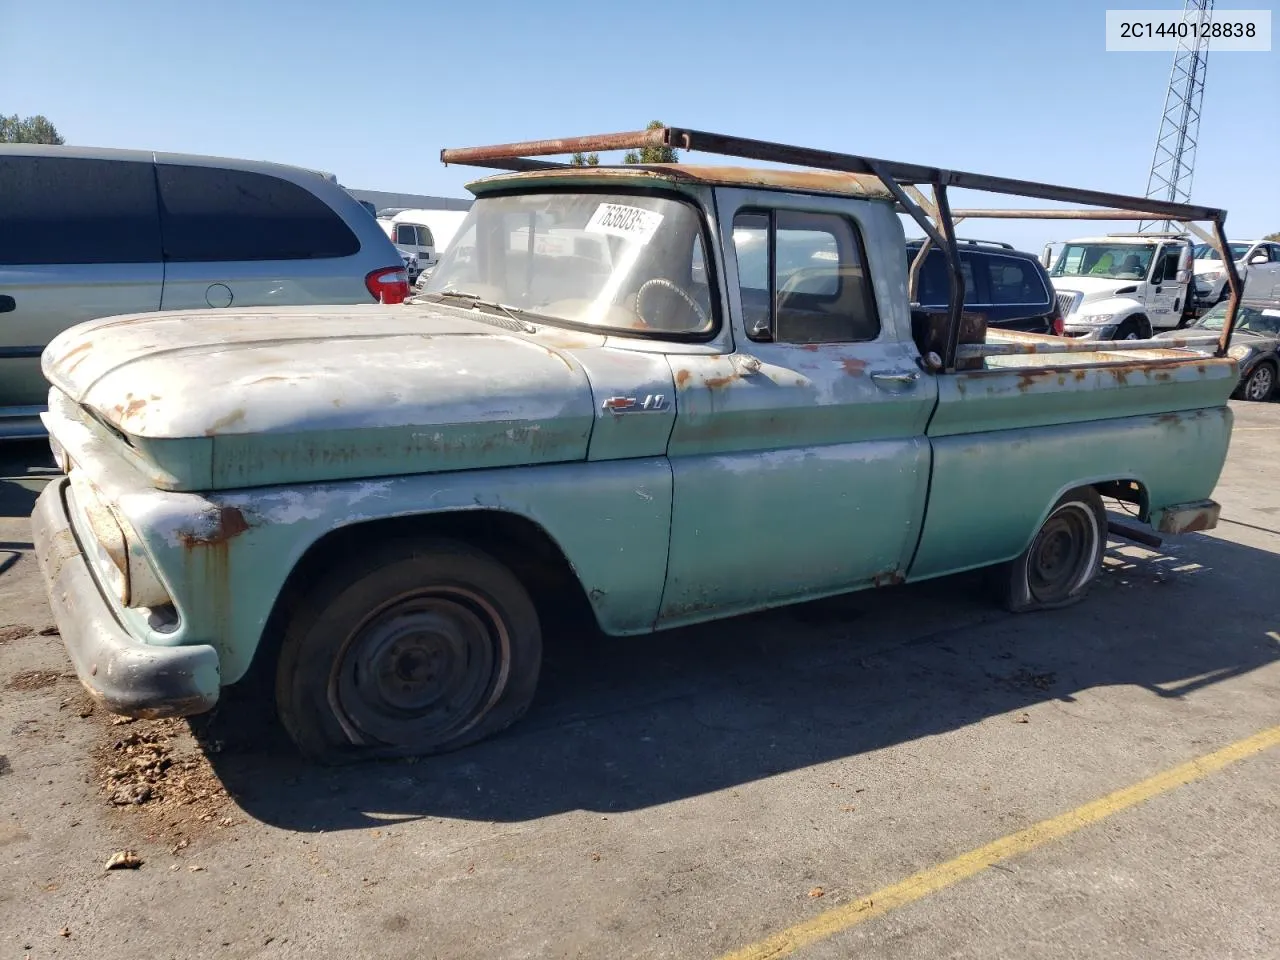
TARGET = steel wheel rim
x,y
1260,383
1063,555
421,669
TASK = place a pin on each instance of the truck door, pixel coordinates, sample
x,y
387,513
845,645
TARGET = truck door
x,y
799,462
1166,297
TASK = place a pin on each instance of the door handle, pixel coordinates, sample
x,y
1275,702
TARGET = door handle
x,y
8,304
900,378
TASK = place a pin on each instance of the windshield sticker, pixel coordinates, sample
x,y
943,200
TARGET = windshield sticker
x,y
1271,313
618,220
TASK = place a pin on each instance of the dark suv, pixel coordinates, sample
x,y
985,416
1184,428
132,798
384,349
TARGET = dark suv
x,y
1008,287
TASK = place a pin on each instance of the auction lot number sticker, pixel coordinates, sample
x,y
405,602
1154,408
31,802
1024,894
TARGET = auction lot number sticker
x,y
1223,30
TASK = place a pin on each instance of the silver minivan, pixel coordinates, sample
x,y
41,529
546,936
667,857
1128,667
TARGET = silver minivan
x,y
88,233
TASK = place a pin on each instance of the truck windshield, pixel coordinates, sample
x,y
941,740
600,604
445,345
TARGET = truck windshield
x,y
614,261
1205,252
1117,261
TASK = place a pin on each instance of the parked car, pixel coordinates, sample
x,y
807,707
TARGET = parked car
x,y
1011,289
423,233
1123,286
671,432
1259,259
88,233
1257,336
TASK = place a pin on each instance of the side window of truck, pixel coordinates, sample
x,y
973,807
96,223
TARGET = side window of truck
x,y
802,278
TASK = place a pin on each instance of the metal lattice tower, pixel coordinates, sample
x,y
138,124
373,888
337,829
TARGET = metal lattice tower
x,y
1174,161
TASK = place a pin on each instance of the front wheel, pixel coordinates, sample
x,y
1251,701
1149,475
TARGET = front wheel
x,y
1259,384
414,648
1133,329
1064,557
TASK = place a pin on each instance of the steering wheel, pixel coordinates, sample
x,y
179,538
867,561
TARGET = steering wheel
x,y
677,290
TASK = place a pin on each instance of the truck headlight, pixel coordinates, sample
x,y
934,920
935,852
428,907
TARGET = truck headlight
x,y
115,551
1094,318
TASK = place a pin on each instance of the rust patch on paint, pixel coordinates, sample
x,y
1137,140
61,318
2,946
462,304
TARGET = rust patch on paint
x,y
890,578
853,367
79,353
810,347
230,524
682,377
716,383
235,416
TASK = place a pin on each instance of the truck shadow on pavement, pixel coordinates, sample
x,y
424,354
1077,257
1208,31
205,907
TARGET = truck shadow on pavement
x,y
625,724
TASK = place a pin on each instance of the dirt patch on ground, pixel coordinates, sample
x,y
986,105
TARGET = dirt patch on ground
x,y
14,631
33,680
155,769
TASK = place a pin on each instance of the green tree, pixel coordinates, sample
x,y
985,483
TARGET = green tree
x,y
1273,236
35,129
652,154
585,160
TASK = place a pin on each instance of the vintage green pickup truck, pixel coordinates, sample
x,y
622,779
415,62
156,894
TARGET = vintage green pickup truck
x,y
687,392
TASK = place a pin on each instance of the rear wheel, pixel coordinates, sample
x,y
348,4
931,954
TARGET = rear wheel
x,y
1063,559
413,648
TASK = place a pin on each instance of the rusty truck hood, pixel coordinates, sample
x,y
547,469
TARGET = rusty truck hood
x,y
268,395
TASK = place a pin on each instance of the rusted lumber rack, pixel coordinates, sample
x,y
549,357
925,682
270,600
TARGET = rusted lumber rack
x,y
902,180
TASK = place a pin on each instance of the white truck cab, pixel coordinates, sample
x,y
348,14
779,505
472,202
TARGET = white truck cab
x,y
1122,286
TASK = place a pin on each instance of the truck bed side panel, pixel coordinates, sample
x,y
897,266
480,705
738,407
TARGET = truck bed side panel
x,y
992,490
1044,390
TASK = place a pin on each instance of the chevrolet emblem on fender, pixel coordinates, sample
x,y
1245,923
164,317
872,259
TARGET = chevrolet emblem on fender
x,y
653,402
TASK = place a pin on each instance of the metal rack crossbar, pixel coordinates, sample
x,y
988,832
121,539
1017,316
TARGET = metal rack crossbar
x,y
902,180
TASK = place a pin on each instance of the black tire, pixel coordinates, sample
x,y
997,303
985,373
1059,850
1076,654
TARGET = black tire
x,y
1135,328
1064,557
414,648
1258,385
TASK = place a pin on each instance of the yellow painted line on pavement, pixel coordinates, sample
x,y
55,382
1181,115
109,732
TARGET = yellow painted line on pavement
x,y
966,865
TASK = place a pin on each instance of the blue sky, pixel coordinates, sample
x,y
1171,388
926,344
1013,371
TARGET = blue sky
x,y
372,91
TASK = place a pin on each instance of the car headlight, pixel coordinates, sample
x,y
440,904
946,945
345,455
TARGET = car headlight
x,y
1241,352
1211,277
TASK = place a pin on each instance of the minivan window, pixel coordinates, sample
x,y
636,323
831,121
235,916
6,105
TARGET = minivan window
x,y
212,214
1015,283
935,287
72,210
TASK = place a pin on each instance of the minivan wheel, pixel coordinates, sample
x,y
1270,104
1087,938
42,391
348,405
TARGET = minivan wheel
x,y
415,648
1063,559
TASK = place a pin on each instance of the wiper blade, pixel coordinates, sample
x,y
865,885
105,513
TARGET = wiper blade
x,y
477,300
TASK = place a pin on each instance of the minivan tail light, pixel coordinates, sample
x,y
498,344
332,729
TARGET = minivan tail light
x,y
388,284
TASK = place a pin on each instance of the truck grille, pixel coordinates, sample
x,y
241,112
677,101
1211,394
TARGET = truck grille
x,y
1068,301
